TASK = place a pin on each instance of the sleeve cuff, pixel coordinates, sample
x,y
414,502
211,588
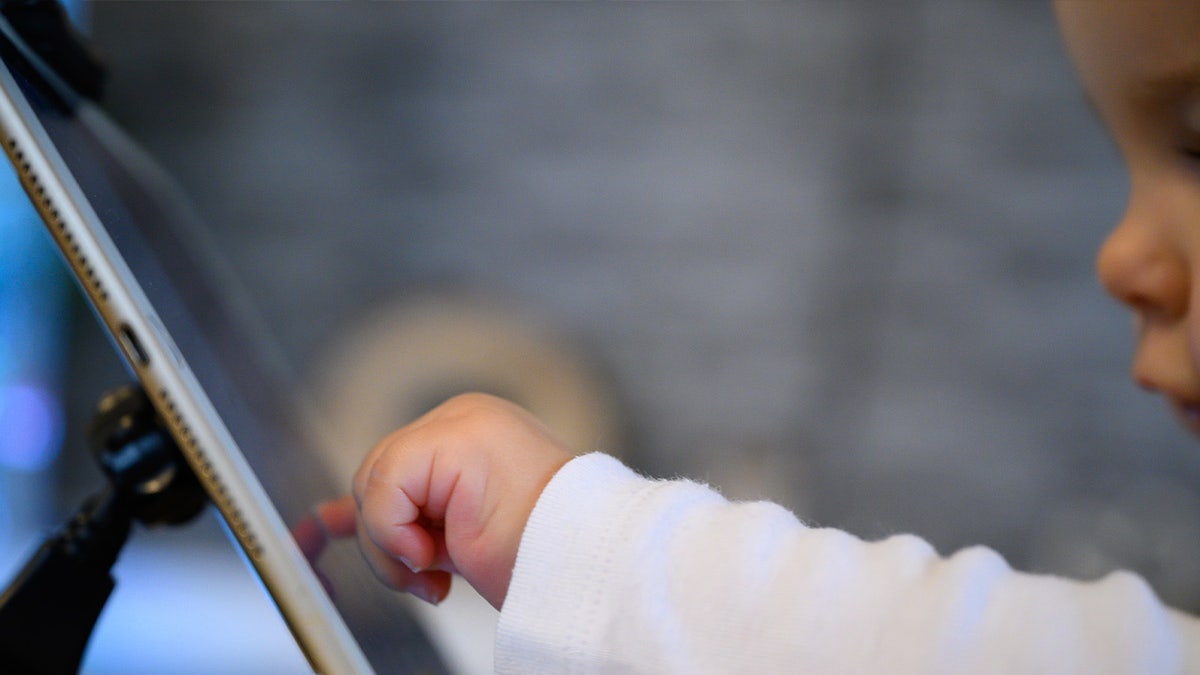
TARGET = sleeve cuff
x,y
561,579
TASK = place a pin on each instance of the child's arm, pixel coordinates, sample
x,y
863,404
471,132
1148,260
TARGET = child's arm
x,y
618,572
449,493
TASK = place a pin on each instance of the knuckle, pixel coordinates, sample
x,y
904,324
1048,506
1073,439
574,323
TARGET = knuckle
x,y
475,414
471,403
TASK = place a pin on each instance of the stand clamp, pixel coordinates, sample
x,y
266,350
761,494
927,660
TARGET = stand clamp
x,y
48,612
47,30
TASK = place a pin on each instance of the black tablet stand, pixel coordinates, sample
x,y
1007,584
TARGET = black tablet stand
x,y
48,612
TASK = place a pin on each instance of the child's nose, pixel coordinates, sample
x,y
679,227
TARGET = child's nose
x,y
1139,266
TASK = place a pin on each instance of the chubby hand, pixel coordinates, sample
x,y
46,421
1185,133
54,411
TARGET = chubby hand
x,y
449,493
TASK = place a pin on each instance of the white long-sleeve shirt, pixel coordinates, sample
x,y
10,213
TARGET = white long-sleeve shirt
x,y
619,573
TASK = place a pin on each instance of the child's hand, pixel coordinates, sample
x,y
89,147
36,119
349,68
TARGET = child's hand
x,y
449,493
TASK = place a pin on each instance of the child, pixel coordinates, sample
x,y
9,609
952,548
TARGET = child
x,y
596,569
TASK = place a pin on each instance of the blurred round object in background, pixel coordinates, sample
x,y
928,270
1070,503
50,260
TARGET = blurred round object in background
x,y
407,356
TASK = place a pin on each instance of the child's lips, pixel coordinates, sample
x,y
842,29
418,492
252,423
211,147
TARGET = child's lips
x,y
1188,412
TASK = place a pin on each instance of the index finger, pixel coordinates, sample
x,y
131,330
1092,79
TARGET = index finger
x,y
334,519
337,517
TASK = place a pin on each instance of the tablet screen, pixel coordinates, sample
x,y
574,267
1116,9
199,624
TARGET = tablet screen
x,y
212,338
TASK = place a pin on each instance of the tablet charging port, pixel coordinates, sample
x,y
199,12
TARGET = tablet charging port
x,y
132,346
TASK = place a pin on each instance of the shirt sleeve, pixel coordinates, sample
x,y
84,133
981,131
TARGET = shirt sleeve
x,y
619,573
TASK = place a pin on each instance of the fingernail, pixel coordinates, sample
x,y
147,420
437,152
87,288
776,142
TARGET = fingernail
x,y
425,592
408,563
317,520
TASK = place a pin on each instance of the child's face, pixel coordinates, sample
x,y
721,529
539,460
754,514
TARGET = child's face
x,y
1139,61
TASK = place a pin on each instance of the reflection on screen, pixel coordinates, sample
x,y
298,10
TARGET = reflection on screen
x,y
160,243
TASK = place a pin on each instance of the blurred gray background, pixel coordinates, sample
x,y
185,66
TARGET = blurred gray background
x,y
833,253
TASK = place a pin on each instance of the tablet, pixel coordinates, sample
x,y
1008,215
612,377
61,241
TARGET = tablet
x,y
140,258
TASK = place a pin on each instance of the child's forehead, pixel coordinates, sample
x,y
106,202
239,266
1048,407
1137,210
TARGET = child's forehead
x,y
1152,46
